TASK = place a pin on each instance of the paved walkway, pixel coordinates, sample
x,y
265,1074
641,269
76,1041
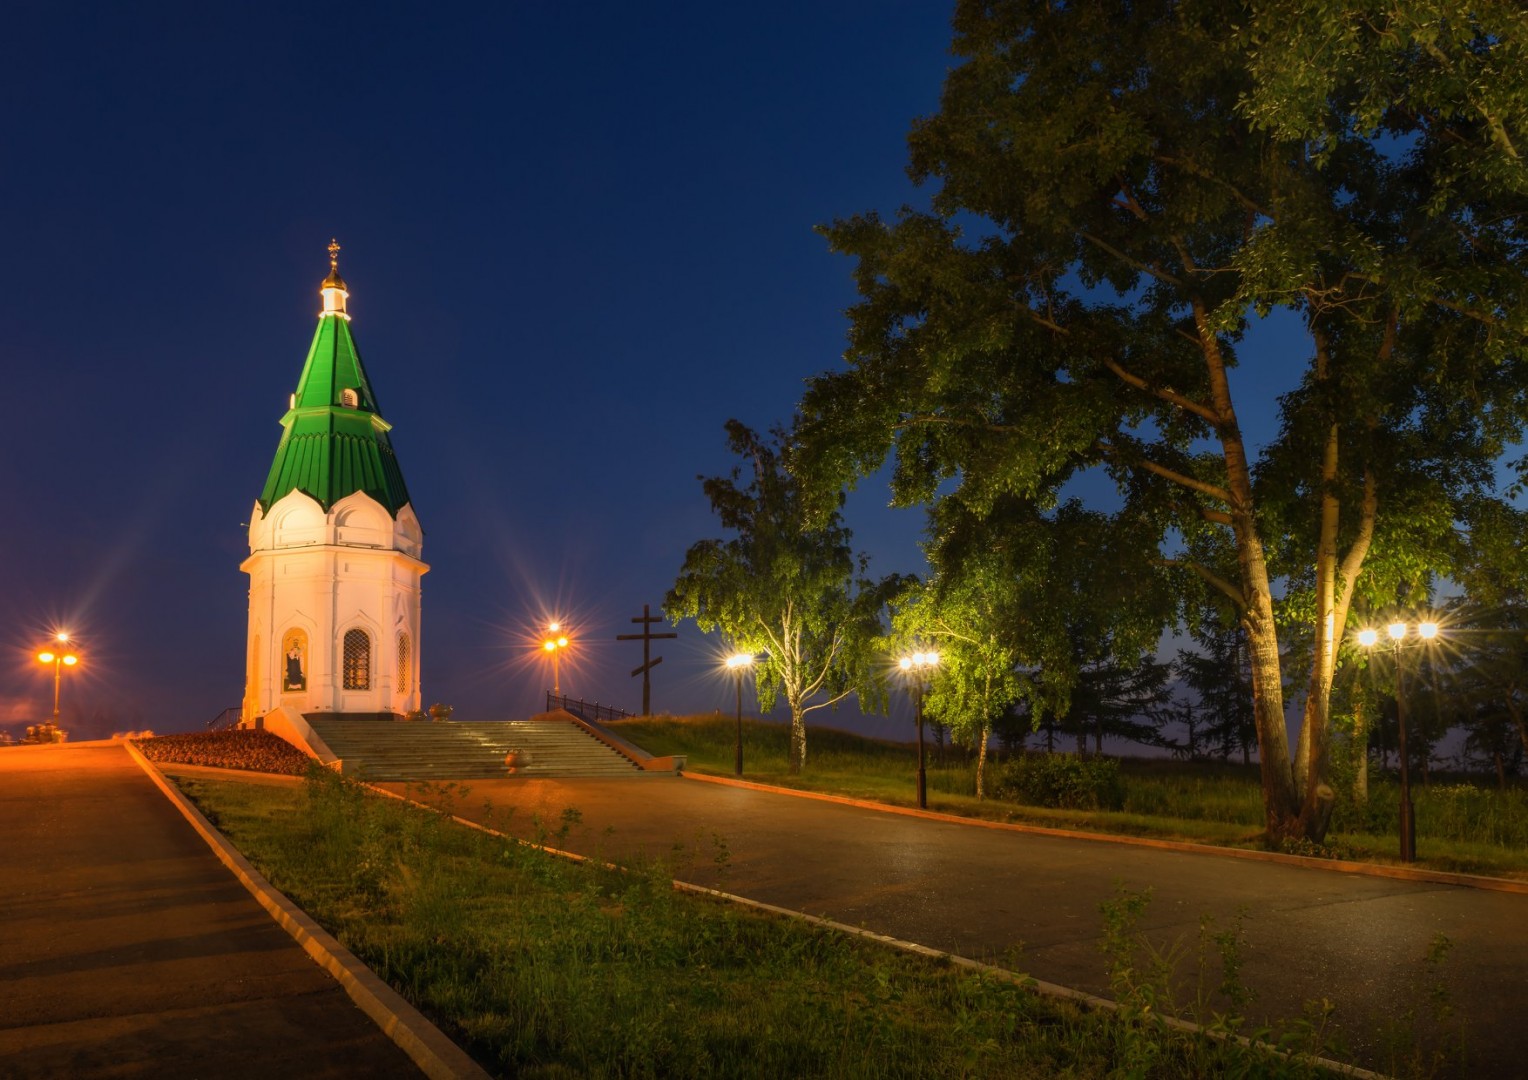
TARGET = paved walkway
x,y
1003,896
127,949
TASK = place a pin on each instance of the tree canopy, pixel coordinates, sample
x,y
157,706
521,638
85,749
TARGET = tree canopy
x,y
1119,192
794,594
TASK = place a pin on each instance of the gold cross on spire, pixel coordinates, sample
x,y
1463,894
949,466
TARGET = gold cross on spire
x,y
334,254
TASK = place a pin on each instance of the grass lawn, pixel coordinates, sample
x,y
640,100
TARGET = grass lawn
x,y
1459,827
543,967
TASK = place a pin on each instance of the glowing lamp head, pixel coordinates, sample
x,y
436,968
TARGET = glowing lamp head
x,y
70,660
739,660
562,643
45,657
554,627
1367,638
1427,631
906,663
1396,630
549,646
61,636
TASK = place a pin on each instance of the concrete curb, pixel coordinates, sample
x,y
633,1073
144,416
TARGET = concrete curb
x,y
437,1056
1331,866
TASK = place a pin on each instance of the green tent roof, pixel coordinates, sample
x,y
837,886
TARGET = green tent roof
x,y
335,444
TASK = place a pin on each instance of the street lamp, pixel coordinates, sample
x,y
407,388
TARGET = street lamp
x,y
1397,632
555,642
60,657
740,663
914,666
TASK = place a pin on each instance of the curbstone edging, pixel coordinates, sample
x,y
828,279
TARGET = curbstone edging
x,y
437,1056
1331,866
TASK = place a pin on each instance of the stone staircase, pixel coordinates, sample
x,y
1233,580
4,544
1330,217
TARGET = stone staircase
x,y
393,750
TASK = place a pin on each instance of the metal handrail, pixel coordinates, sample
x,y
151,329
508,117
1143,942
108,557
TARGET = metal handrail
x,y
226,719
586,710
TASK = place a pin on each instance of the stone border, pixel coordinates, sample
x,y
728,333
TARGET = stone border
x,y
1333,866
437,1056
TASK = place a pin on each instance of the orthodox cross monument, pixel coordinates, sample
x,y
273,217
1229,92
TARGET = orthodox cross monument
x,y
334,546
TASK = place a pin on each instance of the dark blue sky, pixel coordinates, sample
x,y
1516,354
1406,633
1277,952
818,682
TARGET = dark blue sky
x,y
578,238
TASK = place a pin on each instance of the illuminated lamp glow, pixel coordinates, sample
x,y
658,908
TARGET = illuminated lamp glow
x,y
71,660
1396,630
1428,630
45,657
1366,638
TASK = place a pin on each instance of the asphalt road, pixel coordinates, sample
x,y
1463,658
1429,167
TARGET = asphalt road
x,y
128,950
1032,902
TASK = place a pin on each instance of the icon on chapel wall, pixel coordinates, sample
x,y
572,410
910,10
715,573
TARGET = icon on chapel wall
x,y
296,649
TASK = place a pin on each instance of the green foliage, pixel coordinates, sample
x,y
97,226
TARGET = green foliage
x,y
1119,194
1152,988
1064,781
793,594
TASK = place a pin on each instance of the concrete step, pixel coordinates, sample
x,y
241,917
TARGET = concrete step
x,y
382,750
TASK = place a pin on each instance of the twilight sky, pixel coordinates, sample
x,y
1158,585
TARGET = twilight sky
x,y
578,238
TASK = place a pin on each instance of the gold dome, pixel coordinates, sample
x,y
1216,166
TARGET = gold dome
x,y
334,281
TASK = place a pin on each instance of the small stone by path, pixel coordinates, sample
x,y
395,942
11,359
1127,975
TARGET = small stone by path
x,y
128,950
1032,901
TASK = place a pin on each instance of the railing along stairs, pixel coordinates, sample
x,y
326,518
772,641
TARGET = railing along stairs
x,y
591,711
226,719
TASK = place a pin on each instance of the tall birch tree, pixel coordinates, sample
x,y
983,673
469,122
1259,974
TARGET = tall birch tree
x,y
795,594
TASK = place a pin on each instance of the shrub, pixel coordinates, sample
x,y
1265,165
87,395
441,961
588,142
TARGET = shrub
x,y
1063,781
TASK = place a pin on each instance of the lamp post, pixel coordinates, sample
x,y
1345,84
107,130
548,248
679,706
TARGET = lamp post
x,y
555,642
739,663
60,657
1398,631
914,666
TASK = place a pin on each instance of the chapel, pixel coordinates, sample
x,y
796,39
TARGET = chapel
x,y
334,546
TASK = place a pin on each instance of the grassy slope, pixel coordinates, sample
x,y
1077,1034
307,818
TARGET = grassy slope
x,y
547,968
1458,828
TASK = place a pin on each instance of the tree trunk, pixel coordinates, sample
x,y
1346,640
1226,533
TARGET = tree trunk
x,y
1514,711
1281,808
798,738
1360,749
1280,804
983,733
